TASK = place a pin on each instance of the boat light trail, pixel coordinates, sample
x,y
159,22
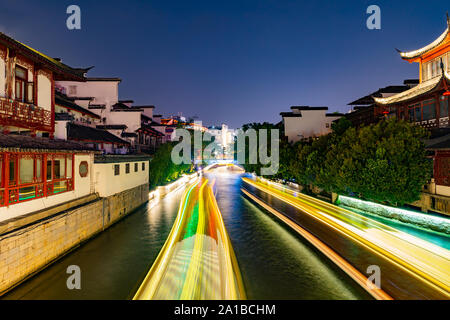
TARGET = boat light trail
x,y
197,261
426,262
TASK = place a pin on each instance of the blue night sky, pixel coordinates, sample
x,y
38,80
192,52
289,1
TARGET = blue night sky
x,y
232,61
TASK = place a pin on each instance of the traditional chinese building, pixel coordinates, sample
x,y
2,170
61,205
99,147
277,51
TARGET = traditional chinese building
x,y
427,104
307,122
27,82
363,110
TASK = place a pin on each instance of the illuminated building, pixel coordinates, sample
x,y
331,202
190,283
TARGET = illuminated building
x,y
307,122
427,104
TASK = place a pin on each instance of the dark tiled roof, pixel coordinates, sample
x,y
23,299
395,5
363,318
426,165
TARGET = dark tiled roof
x,y
424,88
64,101
367,100
290,114
112,126
129,134
441,143
89,134
61,70
82,98
151,130
15,141
63,116
97,106
144,107
308,108
113,158
123,107
102,79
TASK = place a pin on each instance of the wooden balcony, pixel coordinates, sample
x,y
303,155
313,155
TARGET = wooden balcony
x,y
24,115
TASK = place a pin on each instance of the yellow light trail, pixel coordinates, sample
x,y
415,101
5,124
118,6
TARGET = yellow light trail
x,y
212,271
378,294
430,264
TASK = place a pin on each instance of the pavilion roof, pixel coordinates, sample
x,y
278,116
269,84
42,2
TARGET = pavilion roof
x,y
61,70
415,92
419,52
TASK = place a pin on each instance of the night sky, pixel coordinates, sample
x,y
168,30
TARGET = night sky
x,y
232,61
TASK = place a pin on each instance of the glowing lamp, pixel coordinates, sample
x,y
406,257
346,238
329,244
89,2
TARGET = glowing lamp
x,y
446,93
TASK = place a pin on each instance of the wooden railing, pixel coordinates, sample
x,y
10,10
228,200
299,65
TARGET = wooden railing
x,y
24,115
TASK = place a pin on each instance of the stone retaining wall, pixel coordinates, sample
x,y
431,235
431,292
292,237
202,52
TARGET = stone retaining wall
x,y
31,248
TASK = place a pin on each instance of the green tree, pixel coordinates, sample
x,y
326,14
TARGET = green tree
x,y
162,170
384,162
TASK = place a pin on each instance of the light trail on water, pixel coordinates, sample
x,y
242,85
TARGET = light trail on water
x,y
197,261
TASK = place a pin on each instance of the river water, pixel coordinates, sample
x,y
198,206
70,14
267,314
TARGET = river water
x,y
275,262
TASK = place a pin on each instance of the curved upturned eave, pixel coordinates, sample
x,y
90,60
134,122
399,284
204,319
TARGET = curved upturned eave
x,y
407,95
417,53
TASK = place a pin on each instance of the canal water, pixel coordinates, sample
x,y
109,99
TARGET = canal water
x,y
275,262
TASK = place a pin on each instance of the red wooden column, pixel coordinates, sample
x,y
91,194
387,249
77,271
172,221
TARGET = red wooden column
x,y
52,134
438,109
6,181
44,173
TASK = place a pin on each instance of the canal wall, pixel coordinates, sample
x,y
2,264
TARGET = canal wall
x,y
419,219
28,246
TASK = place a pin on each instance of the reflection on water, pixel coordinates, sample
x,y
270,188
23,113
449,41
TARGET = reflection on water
x,y
114,263
276,263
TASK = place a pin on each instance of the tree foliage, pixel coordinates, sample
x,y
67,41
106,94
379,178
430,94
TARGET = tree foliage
x,y
162,170
384,162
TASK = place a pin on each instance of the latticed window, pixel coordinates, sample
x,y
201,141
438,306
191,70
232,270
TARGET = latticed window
x,y
25,175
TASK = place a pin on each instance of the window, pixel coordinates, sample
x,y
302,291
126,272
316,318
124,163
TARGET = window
x,y
72,90
12,171
26,178
136,167
38,169
448,62
21,81
116,169
49,170
429,110
26,170
59,168
411,113
143,166
127,168
69,167
418,113
443,111
424,71
83,169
